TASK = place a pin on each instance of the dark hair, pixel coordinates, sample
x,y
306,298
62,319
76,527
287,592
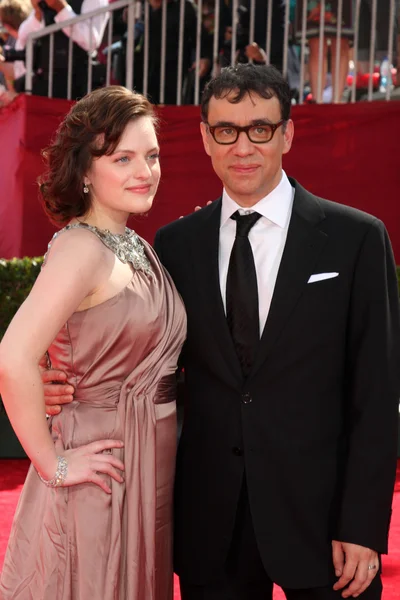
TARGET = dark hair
x,y
242,79
92,128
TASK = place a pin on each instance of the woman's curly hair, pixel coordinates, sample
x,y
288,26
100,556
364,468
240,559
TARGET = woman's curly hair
x,y
92,128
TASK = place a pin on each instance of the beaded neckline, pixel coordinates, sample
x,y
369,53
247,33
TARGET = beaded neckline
x,y
127,246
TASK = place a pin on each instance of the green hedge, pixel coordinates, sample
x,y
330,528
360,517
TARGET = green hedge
x,y
16,279
17,276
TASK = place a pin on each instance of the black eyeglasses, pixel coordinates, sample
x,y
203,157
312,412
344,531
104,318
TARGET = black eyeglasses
x,y
257,134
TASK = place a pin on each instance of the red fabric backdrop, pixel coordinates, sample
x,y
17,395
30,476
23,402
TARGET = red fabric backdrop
x,y
347,153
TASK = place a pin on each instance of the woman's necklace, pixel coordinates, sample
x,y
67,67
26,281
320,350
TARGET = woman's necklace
x,y
126,246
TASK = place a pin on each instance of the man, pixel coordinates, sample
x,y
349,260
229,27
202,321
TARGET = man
x,y
287,458
171,52
259,15
86,35
12,14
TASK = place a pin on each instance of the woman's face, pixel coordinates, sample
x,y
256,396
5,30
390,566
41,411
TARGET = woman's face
x,y
126,181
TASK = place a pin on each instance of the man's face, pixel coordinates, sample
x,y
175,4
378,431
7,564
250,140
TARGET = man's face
x,y
248,171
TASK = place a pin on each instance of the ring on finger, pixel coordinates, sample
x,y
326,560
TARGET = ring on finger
x,y
372,567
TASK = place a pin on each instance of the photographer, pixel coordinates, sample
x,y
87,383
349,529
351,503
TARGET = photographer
x,y
171,52
12,14
254,50
86,35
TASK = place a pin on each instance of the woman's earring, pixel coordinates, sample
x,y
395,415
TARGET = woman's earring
x,y
85,189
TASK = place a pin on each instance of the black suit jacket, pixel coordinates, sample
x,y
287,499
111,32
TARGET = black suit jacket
x,y
314,427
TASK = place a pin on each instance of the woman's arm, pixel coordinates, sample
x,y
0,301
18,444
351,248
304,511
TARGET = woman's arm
x,y
78,264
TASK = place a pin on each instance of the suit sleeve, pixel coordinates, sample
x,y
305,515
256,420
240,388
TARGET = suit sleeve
x,y
372,395
157,244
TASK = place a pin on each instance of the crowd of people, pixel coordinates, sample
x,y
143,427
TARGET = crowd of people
x,y
21,17
86,36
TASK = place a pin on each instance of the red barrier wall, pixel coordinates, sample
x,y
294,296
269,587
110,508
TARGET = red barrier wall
x,y
347,153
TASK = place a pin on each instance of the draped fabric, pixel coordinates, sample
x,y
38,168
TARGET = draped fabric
x,y
79,542
346,153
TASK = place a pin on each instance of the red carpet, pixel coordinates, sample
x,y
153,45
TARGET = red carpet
x,y
12,474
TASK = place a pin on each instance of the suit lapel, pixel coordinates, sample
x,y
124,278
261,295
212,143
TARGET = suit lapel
x,y
304,243
205,251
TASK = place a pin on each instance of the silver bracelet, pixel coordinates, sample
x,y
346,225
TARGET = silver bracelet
x,y
60,476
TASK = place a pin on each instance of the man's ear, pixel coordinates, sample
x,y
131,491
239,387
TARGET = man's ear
x,y
206,137
288,136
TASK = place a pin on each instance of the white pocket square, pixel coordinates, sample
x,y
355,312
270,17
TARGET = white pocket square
x,y
321,277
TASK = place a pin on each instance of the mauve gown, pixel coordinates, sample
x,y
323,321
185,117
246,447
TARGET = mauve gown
x,y
79,543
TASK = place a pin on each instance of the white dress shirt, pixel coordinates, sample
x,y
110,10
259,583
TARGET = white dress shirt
x,y
87,34
30,24
267,239
82,31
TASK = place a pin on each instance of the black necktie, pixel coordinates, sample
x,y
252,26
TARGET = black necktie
x,y
242,294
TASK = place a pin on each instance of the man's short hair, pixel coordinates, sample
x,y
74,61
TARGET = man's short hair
x,y
236,82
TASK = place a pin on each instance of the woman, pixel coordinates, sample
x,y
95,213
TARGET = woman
x,y
313,19
94,518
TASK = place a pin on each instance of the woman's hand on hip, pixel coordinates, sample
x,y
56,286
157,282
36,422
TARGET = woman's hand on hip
x,y
87,463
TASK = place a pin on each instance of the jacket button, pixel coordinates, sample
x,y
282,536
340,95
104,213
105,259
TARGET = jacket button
x,y
237,451
246,398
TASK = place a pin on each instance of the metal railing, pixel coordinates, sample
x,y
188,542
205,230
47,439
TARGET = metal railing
x,y
140,10
50,30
